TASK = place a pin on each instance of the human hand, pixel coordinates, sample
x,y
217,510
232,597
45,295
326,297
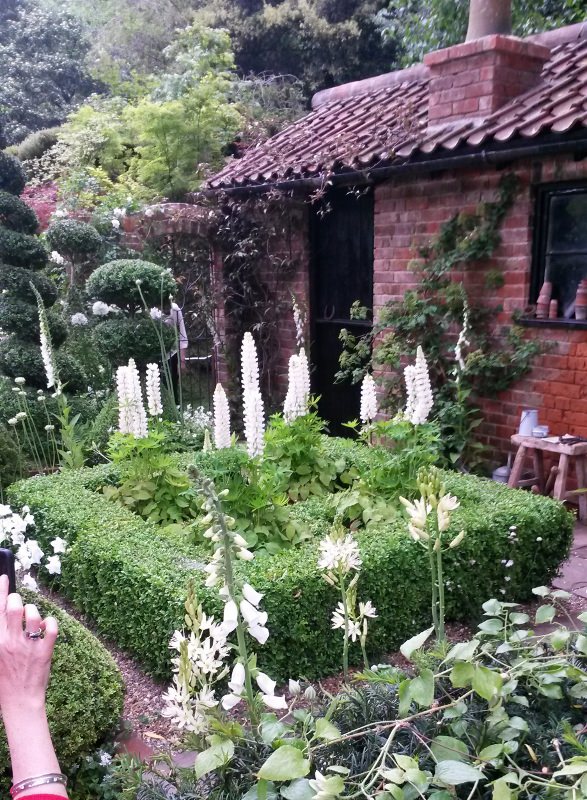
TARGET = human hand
x,y
183,360
25,662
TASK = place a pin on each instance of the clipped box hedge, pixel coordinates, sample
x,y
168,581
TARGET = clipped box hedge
x,y
84,697
131,578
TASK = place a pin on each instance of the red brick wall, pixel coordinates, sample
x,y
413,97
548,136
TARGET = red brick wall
x,y
410,211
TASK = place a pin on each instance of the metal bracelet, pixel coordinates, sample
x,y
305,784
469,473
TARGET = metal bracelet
x,y
40,780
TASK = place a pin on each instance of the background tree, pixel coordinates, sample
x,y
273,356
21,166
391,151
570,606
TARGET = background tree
x,y
426,25
42,63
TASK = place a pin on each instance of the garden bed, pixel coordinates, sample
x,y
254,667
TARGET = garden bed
x,y
132,579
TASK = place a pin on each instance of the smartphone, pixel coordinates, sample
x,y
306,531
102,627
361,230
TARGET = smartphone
x,y
7,568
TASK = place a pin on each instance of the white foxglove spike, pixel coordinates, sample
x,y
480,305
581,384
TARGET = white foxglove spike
x,y
221,418
369,408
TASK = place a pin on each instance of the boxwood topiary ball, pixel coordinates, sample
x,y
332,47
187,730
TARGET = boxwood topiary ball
x,y
16,214
22,318
12,174
17,283
21,358
10,459
74,239
116,283
122,338
21,250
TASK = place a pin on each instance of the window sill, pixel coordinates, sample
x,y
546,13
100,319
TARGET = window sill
x,y
571,324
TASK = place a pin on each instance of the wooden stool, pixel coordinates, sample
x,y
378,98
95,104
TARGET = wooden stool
x,y
530,446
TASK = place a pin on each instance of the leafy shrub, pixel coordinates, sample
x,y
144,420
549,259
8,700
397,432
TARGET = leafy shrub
x,y
146,573
23,359
116,283
73,239
36,144
22,318
21,250
12,174
17,282
16,214
122,338
10,459
84,698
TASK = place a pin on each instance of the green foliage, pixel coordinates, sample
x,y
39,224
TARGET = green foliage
x,y
150,482
23,358
421,27
21,250
12,174
256,498
22,319
116,283
135,337
296,448
84,698
146,573
10,458
16,215
17,283
36,144
75,240
42,61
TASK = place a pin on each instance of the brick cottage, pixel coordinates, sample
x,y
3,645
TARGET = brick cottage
x,y
418,145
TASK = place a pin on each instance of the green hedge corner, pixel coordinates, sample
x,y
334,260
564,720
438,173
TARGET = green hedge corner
x,y
85,693
132,579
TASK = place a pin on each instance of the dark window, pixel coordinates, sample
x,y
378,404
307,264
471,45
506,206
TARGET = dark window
x,y
560,254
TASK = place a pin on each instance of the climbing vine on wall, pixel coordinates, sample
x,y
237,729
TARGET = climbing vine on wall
x,y
431,315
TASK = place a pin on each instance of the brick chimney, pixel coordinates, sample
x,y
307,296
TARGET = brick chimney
x,y
473,79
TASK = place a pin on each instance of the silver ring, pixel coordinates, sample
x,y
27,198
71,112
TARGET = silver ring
x,y
34,634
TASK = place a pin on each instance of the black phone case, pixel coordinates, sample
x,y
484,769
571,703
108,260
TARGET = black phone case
x,y
7,568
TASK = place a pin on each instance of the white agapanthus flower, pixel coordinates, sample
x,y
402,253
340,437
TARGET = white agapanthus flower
x,y
339,553
79,319
253,407
369,408
418,389
116,224
100,309
221,418
156,313
131,410
57,258
153,386
298,389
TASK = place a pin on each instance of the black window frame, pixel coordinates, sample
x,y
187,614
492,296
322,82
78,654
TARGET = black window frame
x,y
541,223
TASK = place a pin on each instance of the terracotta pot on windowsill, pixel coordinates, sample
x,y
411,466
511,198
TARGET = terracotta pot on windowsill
x,y
581,301
543,302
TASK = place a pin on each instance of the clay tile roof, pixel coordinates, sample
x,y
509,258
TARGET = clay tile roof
x,y
383,121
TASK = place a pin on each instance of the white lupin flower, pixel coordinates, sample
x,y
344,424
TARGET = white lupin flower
x,y
410,382
339,553
253,408
418,390
369,408
299,321
298,389
153,385
131,411
100,309
221,418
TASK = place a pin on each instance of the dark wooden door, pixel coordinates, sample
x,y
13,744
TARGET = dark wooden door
x,y
342,272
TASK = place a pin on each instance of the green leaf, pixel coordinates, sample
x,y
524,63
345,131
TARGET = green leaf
x,y
285,764
581,643
405,697
583,617
216,756
415,643
577,767
517,618
493,625
272,729
463,651
264,790
441,794
491,752
422,688
405,762
326,730
545,614
299,789
486,682
492,608
445,748
501,790
454,773
559,638
541,591
462,674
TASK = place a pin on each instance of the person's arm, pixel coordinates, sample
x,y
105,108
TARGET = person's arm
x,y
25,664
182,336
